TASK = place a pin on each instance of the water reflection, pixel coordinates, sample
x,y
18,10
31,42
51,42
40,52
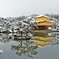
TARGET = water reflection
x,y
46,38
53,38
29,47
6,37
25,47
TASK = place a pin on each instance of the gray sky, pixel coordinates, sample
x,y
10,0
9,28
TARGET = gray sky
x,y
14,8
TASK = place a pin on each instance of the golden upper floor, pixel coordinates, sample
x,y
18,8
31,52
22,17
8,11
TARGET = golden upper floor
x,y
43,21
41,18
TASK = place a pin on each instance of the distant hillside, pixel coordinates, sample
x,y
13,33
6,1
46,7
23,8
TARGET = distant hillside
x,y
53,15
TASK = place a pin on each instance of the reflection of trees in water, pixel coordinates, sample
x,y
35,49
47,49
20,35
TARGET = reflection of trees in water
x,y
5,37
55,41
26,47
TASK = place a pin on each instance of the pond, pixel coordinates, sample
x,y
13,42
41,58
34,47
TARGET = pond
x,y
29,49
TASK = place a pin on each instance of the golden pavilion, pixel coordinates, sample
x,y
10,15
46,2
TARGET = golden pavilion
x,y
43,22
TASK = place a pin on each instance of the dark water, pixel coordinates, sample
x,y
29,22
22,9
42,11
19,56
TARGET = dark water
x,y
26,49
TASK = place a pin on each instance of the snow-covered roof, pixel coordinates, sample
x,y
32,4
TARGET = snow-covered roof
x,y
41,16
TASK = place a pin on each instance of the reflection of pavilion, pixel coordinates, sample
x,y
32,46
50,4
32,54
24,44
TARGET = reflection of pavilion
x,y
45,39
42,44
42,41
25,47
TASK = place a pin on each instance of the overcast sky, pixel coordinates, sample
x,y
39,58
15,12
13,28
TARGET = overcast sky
x,y
14,8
